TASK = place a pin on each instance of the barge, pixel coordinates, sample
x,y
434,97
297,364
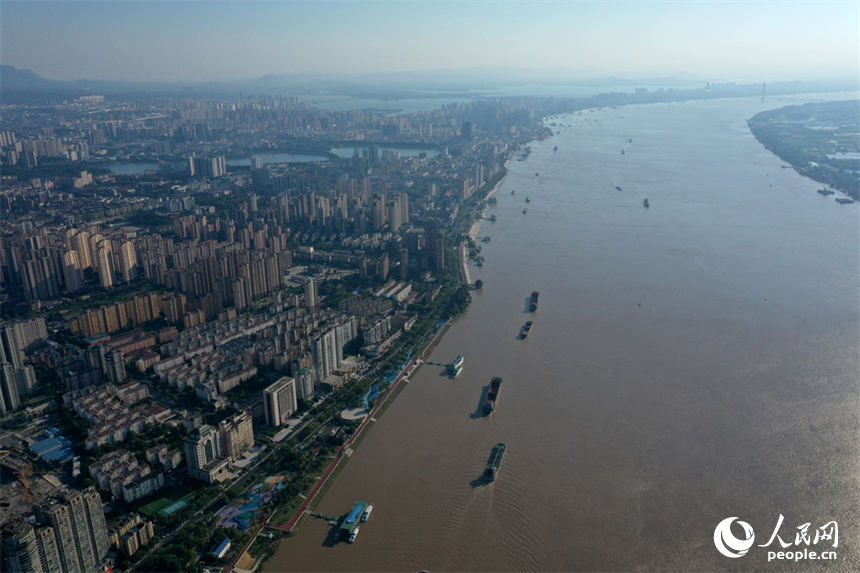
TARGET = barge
x,y
525,330
493,395
533,302
494,462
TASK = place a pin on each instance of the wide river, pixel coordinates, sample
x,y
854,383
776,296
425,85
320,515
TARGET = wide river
x,y
690,362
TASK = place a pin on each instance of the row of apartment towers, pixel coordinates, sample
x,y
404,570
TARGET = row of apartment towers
x,y
66,533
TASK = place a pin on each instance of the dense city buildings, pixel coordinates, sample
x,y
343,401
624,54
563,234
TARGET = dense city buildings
x,y
172,292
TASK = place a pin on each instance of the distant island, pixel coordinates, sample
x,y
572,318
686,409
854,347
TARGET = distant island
x,y
818,139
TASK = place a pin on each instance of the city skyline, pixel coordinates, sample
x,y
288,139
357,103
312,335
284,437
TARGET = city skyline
x,y
192,42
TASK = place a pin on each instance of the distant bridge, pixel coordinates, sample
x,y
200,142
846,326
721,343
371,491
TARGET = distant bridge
x,y
797,100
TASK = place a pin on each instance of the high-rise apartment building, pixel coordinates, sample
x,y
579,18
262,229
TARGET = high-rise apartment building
x,y
26,549
237,434
104,261
72,272
10,400
311,302
207,166
80,242
304,382
324,353
279,401
114,365
71,536
20,337
127,262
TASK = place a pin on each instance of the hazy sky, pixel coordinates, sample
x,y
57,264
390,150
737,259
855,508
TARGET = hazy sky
x,y
210,40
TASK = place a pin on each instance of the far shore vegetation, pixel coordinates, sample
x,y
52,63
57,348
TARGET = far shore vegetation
x,y
818,139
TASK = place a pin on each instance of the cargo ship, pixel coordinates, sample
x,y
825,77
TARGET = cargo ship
x,y
645,203
533,303
456,367
525,330
492,395
494,462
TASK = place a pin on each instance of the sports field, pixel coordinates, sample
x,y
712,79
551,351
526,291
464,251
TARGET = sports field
x,y
172,499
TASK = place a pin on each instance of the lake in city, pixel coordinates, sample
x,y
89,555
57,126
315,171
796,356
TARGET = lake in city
x,y
346,152
271,158
690,361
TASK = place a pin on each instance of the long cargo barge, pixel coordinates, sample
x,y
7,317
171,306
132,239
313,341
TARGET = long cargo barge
x,y
492,395
494,462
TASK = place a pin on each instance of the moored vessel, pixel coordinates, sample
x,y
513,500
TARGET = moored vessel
x,y
456,367
495,462
349,527
366,513
533,302
493,395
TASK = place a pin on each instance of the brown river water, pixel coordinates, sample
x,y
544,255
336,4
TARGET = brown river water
x,y
689,362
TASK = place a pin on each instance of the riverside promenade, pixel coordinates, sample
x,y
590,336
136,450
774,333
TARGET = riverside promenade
x,y
345,451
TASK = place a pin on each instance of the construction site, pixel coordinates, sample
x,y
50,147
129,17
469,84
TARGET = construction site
x,y
23,485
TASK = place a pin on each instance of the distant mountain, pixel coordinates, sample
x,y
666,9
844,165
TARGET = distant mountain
x,y
13,79
26,86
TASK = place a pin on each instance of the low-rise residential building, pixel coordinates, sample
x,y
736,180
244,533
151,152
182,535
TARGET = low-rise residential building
x,y
142,486
131,534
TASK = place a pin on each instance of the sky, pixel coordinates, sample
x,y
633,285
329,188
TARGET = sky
x,y
199,41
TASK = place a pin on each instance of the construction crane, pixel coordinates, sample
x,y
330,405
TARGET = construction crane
x,y
22,476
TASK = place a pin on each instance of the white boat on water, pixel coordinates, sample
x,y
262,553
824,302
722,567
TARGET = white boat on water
x,y
366,513
354,534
